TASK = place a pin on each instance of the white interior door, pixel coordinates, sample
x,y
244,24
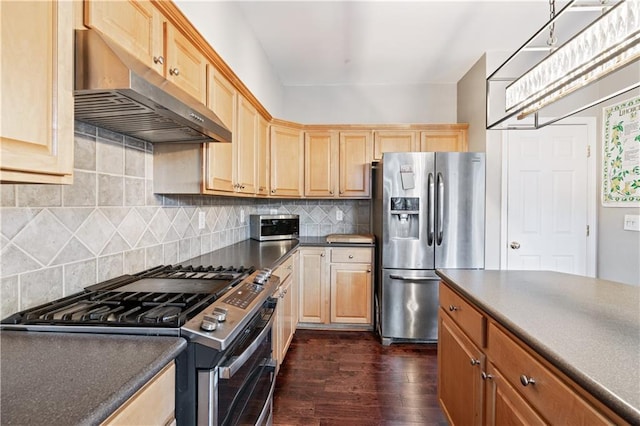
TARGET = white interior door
x,y
547,199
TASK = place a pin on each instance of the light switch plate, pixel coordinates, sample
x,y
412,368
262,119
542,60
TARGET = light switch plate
x,y
201,218
632,222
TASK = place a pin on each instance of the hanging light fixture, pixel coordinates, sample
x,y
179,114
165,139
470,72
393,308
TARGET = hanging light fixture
x,y
608,43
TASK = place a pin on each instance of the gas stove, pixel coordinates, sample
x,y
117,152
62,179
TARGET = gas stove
x,y
164,297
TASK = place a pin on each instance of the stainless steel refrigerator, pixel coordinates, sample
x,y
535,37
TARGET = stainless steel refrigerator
x,y
428,212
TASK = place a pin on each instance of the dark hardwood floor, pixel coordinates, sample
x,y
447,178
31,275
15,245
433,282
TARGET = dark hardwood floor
x,y
349,378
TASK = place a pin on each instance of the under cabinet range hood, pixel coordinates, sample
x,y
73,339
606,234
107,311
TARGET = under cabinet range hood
x,y
118,92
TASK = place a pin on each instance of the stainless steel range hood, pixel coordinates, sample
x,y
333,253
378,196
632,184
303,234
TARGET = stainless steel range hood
x,y
116,91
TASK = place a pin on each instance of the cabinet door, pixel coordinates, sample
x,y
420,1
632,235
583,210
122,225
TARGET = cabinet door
x,y
219,156
186,66
287,162
460,364
288,321
320,164
504,406
313,286
443,140
36,83
246,147
263,157
135,25
355,164
393,141
351,293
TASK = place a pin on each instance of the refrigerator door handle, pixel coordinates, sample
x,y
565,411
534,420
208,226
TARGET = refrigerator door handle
x,y
403,278
440,219
431,212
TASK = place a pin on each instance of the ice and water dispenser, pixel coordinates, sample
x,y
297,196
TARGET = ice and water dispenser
x,y
405,211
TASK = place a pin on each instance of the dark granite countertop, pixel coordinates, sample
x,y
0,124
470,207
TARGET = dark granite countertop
x,y
588,328
75,378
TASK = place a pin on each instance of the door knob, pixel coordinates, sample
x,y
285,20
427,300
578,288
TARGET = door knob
x,y
515,245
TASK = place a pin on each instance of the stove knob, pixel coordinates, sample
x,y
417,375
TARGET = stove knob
x,y
209,323
267,272
260,278
220,314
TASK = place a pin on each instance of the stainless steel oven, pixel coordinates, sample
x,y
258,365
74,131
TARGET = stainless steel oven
x,y
238,390
226,374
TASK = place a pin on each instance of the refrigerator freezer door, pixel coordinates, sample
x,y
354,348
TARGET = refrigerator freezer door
x,y
460,210
404,215
409,305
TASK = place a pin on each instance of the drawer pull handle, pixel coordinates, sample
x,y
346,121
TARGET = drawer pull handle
x,y
453,308
350,256
475,361
174,71
158,60
486,376
526,381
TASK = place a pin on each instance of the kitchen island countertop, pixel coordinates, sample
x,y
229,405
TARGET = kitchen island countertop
x,y
586,327
75,378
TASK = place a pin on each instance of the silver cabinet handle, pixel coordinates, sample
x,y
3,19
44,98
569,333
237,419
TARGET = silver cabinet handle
x,y
452,308
174,71
273,191
321,254
486,376
514,245
158,60
350,256
331,192
526,381
475,361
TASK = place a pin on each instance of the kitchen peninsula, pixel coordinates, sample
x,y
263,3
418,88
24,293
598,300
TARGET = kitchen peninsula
x,y
557,347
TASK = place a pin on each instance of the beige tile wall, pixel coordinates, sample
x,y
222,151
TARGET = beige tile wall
x,y
56,240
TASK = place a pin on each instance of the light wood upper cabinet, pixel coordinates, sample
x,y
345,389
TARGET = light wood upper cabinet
x,y
263,169
287,161
37,91
393,141
337,164
445,138
135,25
246,147
141,29
355,164
186,66
320,164
222,99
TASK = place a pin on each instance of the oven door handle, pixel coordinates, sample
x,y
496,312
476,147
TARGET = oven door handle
x,y
268,406
228,371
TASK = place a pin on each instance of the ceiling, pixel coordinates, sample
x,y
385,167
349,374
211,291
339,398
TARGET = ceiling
x,y
317,43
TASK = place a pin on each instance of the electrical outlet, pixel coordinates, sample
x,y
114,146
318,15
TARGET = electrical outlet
x,y
201,219
241,215
339,215
273,211
632,222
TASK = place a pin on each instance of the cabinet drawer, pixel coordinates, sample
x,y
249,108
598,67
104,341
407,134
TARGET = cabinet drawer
x,y
153,404
472,322
351,255
285,269
549,395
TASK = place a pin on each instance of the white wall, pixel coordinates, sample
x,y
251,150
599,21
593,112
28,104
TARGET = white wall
x,y
380,104
223,26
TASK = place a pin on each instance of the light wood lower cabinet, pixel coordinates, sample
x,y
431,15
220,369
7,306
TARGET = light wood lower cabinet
x,y
335,287
286,308
36,86
460,364
486,375
154,404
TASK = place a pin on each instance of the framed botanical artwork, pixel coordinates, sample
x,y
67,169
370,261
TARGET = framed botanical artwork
x,y
621,154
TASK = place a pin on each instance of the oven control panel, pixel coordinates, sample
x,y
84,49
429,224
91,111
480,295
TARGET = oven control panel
x,y
217,325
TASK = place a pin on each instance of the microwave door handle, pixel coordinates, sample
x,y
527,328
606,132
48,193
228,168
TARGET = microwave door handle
x,y
228,371
440,219
431,210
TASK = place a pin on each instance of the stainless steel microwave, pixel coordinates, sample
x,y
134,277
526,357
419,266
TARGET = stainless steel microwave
x,y
269,227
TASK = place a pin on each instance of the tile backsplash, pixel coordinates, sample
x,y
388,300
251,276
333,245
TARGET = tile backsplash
x,y
57,239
